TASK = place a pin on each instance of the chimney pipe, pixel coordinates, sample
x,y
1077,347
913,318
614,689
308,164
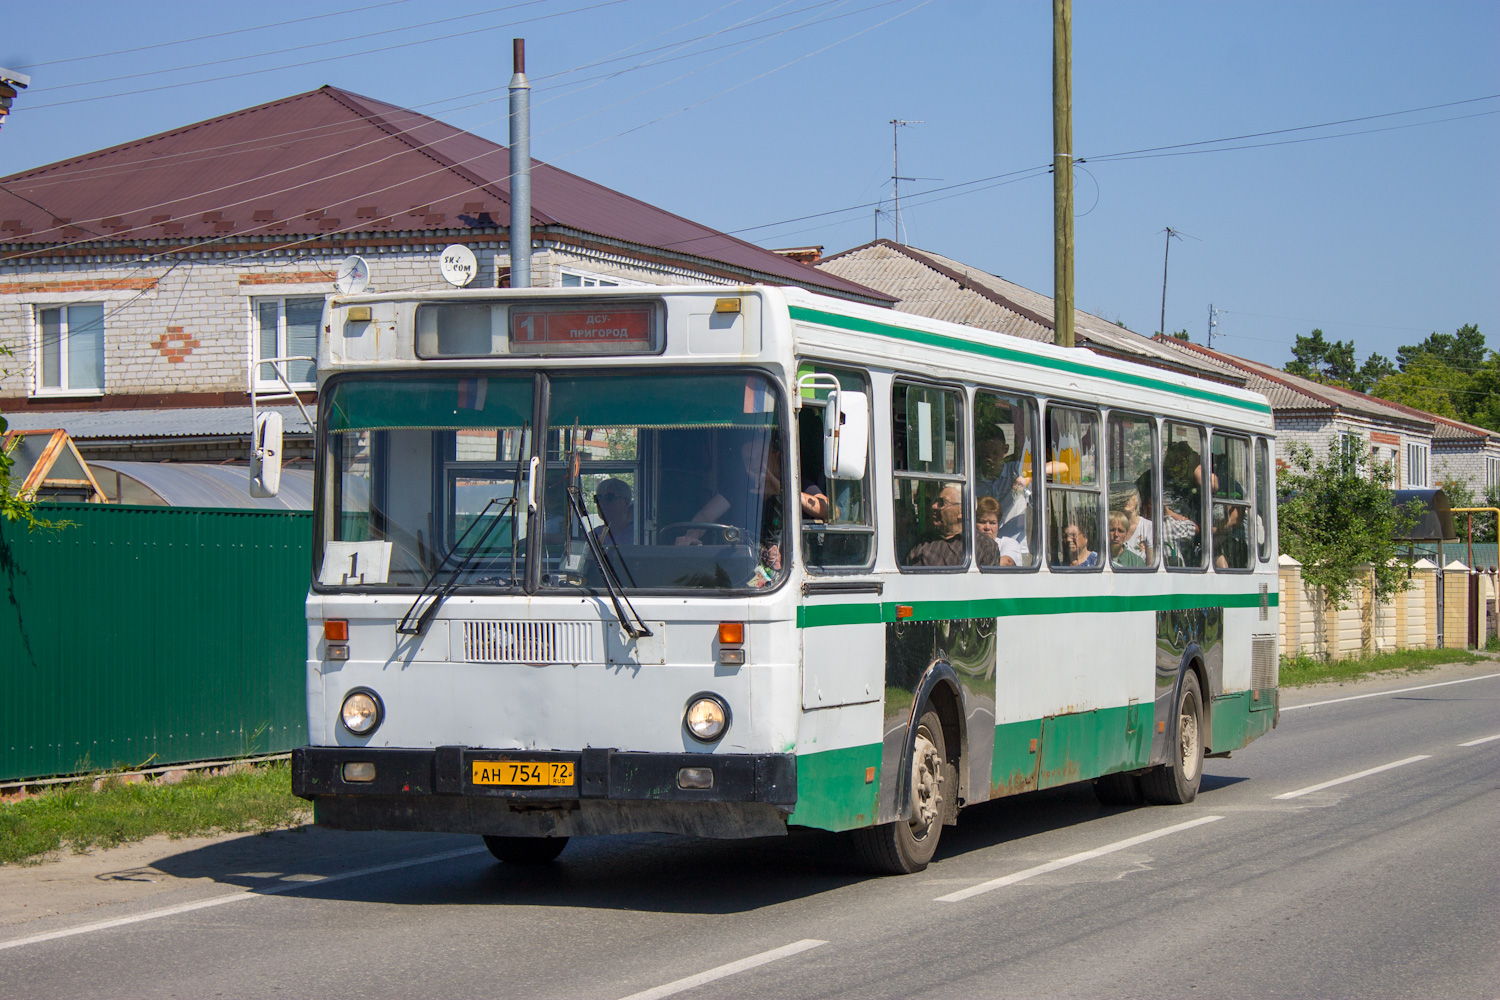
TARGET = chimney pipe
x,y
520,169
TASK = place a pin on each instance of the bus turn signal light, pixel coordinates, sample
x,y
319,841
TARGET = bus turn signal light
x,y
336,630
903,611
731,633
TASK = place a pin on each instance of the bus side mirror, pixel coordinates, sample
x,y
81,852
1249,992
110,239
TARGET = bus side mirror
x,y
846,435
265,455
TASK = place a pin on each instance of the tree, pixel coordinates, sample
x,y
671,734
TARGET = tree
x,y
1376,367
1426,384
1338,520
1463,349
1323,360
1182,335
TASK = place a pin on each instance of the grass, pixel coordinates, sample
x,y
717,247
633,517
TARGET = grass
x,y
1297,671
80,817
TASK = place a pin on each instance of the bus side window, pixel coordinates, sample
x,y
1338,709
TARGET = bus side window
x,y
846,538
1182,497
1131,456
1263,499
927,458
1230,463
1005,455
1073,482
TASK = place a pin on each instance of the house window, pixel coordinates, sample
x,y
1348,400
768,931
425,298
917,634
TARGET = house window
x,y
287,328
1416,466
573,279
1491,473
70,349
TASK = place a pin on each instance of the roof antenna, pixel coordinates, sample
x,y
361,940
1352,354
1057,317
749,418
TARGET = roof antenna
x,y
520,169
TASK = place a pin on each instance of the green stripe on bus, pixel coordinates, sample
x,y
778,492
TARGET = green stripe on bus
x,y
1012,354
868,613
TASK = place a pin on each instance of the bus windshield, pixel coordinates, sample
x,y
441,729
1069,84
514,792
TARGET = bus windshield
x,y
674,479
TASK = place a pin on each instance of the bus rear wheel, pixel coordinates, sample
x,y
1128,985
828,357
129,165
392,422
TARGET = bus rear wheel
x,y
906,846
525,850
1176,783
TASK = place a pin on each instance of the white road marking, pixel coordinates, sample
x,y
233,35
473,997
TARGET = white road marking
x,y
1351,777
234,897
1382,694
744,964
1052,866
1482,739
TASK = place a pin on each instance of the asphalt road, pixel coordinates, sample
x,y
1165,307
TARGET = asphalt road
x,y
1383,885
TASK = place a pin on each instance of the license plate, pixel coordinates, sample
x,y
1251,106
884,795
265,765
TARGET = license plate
x,y
522,772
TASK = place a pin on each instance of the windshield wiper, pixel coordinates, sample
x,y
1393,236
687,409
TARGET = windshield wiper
x,y
409,626
634,624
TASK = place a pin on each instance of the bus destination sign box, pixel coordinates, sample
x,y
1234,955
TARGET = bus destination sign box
x,y
608,328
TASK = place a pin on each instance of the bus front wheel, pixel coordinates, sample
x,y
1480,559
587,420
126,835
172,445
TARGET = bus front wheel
x,y
906,846
1176,783
525,850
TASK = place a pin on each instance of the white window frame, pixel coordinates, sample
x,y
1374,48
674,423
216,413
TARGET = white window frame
x,y
588,279
1491,472
64,346
261,383
1418,459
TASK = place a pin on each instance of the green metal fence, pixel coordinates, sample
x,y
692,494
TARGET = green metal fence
x,y
151,635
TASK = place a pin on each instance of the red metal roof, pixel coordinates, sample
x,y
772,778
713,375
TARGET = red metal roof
x,y
329,161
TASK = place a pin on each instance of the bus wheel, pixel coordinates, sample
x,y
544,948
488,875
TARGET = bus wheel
x,y
1118,789
1177,782
525,850
904,847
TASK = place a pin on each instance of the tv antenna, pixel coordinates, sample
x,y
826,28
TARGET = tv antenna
x,y
896,178
1172,234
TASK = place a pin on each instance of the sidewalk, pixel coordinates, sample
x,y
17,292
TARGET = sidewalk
x,y
1390,680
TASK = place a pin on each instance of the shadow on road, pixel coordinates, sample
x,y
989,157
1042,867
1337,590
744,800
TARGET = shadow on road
x,y
644,872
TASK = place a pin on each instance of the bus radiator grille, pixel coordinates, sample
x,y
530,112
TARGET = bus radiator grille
x,y
1263,665
528,642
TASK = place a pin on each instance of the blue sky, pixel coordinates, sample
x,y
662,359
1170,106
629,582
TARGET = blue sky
x,y
783,112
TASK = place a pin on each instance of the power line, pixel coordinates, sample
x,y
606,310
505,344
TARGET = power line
x,y
328,59
217,34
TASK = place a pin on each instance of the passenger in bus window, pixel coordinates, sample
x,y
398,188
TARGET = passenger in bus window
x,y
1138,530
1120,552
945,522
987,521
1076,551
1231,547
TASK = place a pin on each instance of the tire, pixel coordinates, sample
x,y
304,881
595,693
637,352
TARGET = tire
x,y
1177,783
906,846
1119,789
525,850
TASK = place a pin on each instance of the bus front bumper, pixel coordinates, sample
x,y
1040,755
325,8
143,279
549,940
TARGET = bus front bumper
x,y
611,792
598,773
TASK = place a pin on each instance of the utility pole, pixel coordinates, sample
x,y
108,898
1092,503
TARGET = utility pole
x,y
1062,171
1213,323
896,177
1171,233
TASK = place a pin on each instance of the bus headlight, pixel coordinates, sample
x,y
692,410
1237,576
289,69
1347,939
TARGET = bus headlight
x,y
361,712
707,717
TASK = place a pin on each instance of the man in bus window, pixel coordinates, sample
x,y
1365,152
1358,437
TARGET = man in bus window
x,y
1006,478
945,522
616,507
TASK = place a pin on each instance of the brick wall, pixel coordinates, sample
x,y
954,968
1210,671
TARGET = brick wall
x,y
1407,622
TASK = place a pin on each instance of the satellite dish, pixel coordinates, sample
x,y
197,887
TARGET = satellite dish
x,y
353,276
459,265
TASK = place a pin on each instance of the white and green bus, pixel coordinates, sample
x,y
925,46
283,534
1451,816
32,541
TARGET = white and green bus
x,y
727,561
